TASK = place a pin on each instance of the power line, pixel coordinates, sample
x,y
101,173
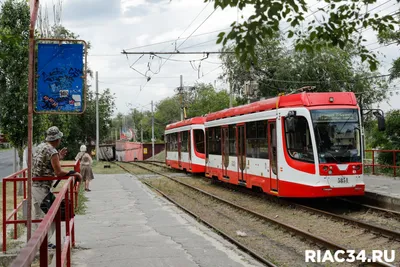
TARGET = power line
x,y
209,72
201,24
182,43
352,79
132,85
195,20
177,53
164,42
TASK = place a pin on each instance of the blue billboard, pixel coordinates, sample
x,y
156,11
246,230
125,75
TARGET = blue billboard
x,y
60,78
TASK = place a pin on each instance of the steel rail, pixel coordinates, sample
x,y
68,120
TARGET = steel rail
x,y
221,232
366,206
298,231
377,229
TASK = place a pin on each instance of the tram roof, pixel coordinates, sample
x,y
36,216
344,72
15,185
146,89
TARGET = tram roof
x,y
195,120
295,100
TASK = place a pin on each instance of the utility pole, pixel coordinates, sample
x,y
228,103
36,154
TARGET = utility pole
x,y
152,130
181,93
141,133
97,116
230,94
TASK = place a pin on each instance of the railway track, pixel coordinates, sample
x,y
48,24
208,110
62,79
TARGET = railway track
x,y
312,237
221,232
380,230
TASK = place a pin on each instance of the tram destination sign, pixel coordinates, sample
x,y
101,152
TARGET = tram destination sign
x,y
60,78
341,115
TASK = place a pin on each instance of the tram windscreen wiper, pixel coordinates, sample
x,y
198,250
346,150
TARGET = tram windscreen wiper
x,y
333,157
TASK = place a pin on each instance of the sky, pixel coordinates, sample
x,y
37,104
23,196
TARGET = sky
x,y
112,26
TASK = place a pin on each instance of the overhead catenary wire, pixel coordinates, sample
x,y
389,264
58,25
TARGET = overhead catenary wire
x,y
183,42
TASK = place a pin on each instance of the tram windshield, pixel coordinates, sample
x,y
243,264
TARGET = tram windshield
x,y
337,134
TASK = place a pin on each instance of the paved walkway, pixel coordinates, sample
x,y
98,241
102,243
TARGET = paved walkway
x,y
128,225
383,185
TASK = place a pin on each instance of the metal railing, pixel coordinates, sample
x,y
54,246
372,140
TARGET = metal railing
x,y
68,193
375,165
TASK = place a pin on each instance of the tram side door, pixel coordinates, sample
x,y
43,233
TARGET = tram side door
x,y
180,150
241,153
190,148
272,144
225,151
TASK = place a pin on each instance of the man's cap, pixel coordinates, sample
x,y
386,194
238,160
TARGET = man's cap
x,y
53,133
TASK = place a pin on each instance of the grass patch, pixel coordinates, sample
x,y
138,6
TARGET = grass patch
x,y
134,169
81,209
98,168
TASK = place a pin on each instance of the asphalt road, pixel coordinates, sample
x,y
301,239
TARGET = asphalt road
x,y
6,163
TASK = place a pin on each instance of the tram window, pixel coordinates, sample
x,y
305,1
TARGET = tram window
x,y
184,141
217,138
209,140
251,140
232,140
199,140
167,142
174,142
257,139
262,137
299,142
214,141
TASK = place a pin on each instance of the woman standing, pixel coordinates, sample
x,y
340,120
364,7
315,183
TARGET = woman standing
x,y
86,166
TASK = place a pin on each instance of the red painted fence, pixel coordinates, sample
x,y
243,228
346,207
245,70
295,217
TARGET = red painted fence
x,y
375,165
38,241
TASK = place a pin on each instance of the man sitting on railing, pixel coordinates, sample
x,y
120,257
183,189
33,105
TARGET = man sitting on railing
x,y
46,162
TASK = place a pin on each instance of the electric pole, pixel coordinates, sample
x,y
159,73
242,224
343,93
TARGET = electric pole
x,y
152,130
141,133
181,93
230,94
97,116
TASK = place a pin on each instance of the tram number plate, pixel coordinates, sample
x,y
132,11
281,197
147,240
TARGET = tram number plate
x,y
343,180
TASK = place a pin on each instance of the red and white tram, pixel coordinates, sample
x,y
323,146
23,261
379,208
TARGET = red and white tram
x,y
300,145
185,145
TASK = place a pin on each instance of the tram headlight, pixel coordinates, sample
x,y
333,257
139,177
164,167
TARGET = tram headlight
x,y
325,168
330,172
356,167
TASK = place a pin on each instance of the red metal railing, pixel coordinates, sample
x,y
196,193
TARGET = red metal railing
x,y
21,176
375,164
39,239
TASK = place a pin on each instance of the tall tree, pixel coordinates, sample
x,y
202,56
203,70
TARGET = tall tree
x,y
282,71
388,38
339,24
204,99
14,23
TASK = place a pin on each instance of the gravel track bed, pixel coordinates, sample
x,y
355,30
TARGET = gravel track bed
x,y
272,242
342,233
377,218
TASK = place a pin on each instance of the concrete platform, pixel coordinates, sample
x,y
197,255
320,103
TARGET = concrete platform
x,y
383,190
128,225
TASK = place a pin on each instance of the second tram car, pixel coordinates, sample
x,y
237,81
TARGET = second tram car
x,y
185,147
300,145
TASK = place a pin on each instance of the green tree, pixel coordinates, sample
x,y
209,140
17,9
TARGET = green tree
x,y
168,110
340,25
388,139
205,99
392,37
14,23
283,71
